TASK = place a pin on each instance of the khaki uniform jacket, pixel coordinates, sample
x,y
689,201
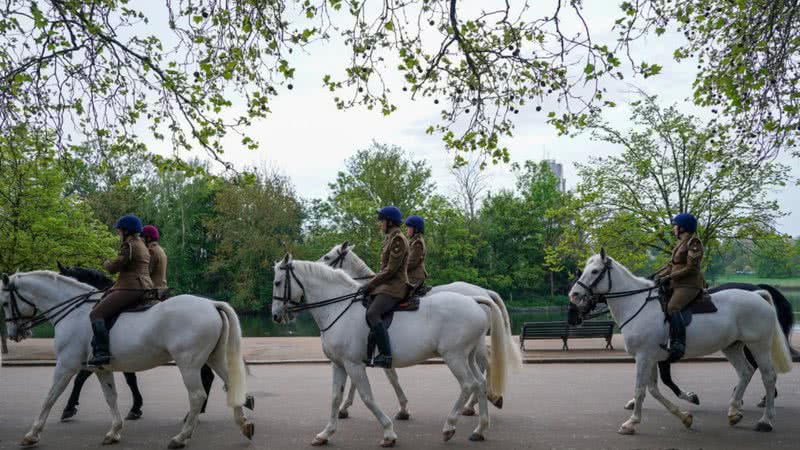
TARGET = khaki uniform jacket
x,y
158,267
417,274
133,265
392,279
684,268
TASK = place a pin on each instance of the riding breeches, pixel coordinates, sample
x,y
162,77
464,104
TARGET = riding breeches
x,y
115,302
380,305
681,297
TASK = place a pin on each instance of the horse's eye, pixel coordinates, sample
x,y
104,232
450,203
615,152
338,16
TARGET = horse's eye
x,y
326,257
594,271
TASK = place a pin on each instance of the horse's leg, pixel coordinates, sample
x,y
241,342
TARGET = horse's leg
x,y
61,378
343,413
197,395
207,377
459,366
403,414
480,394
644,366
72,404
110,392
754,363
685,417
218,365
136,410
339,380
762,355
358,376
665,372
745,372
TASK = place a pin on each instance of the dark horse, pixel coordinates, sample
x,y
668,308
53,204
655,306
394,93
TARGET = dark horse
x,y
101,282
785,317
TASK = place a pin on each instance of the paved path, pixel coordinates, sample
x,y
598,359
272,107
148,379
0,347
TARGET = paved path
x,y
553,406
308,349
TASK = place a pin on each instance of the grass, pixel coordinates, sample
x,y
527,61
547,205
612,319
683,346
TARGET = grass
x,y
779,282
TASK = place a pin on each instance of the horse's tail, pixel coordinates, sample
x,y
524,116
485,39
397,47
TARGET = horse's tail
x,y
781,358
784,309
499,358
232,339
514,352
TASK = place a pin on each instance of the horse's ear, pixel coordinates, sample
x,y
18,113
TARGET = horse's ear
x,y
603,253
60,267
287,258
345,244
5,279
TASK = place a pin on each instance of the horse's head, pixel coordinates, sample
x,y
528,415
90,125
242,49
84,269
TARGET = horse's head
x,y
92,277
287,291
15,308
588,289
337,257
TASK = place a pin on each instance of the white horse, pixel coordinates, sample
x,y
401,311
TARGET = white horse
x,y
447,324
742,318
190,330
343,257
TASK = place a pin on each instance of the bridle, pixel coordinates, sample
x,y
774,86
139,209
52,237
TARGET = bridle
x,y
297,306
595,298
338,263
53,314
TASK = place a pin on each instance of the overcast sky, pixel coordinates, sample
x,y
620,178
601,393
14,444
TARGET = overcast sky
x,y
307,138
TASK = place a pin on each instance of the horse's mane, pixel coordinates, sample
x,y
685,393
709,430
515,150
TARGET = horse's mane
x,y
621,268
359,264
92,277
325,272
55,276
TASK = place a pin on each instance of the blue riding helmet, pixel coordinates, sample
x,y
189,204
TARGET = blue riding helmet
x,y
129,223
686,221
392,214
417,223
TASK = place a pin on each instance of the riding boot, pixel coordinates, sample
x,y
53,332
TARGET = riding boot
x,y
677,337
100,345
370,349
384,359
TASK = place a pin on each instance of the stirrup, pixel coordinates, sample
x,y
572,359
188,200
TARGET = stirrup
x,y
98,361
382,361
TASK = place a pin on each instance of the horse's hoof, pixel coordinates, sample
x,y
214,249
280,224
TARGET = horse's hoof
x,y
173,444
133,415
110,440
447,435
693,398
762,403
687,420
629,406
468,412
402,415
344,414
498,402
626,430
763,427
248,430
249,403
475,437
318,442
68,414
734,419
386,442
29,441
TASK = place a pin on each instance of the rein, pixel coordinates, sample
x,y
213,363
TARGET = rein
x,y
338,263
300,306
59,311
602,298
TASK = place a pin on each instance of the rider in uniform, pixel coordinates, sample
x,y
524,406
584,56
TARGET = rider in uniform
x,y
158,260
389,286
417,274
685,276
133,283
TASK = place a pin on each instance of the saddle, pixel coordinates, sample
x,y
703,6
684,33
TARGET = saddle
x,y
142,307
410,304
701,304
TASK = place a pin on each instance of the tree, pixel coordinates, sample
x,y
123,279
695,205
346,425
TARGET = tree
x,y
95,68
747,56
774,257
471,183
673,164
39,225
375,177
256,220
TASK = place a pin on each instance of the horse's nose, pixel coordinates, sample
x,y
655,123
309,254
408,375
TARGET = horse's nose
x,y
276,318
573,297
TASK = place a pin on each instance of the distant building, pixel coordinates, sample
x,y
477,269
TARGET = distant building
x,y
558,171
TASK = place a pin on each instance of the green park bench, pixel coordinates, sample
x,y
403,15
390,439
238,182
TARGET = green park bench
x,y
562,330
